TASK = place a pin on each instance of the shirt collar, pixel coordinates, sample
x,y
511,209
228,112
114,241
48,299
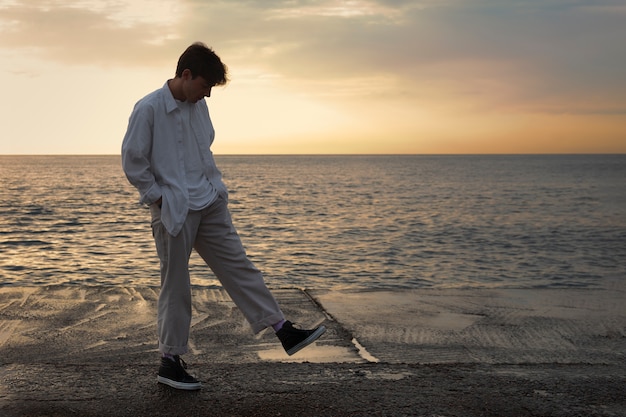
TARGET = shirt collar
x,y
170,102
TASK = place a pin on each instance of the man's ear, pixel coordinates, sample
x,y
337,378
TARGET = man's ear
x,y
187,75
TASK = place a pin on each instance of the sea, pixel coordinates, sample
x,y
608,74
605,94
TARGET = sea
x,y
361,222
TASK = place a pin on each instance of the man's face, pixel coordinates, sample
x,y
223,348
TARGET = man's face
x,y
195,89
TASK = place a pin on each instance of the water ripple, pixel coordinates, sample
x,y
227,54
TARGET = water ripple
x,y
334,221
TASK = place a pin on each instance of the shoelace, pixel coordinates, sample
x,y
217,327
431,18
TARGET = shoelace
x,y
181,361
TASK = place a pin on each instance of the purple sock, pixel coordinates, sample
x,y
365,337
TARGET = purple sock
x,y
279,325
167,356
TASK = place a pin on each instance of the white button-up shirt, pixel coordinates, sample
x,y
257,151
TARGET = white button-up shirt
x,y
153,154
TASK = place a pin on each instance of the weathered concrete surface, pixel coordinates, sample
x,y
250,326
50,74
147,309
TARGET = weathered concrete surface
x,y
91,351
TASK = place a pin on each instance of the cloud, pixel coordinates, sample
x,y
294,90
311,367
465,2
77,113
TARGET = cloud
x,y
517,55
84,32
530,56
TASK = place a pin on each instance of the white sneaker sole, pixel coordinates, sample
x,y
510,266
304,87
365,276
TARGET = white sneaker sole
x,y
179,385
306,342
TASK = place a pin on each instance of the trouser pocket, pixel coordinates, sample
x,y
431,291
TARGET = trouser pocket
x,y
159,233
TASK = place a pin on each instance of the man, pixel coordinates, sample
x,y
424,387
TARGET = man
x,y
166,155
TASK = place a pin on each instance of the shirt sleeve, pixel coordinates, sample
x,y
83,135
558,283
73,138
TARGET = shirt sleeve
x,y
136,153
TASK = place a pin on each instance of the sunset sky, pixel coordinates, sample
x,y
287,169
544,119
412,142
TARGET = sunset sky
x,y
386,76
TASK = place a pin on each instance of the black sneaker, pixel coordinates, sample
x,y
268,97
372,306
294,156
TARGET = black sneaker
x,y
295,339
172,373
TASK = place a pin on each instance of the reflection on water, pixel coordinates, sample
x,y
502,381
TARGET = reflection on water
x,y
334,221
312,354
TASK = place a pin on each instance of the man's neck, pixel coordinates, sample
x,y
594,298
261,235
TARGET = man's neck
x,y
176,88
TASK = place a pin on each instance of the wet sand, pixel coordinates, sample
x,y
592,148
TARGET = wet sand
x,y
91,351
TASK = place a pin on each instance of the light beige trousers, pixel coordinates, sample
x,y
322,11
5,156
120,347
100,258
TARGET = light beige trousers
x,y
212,234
